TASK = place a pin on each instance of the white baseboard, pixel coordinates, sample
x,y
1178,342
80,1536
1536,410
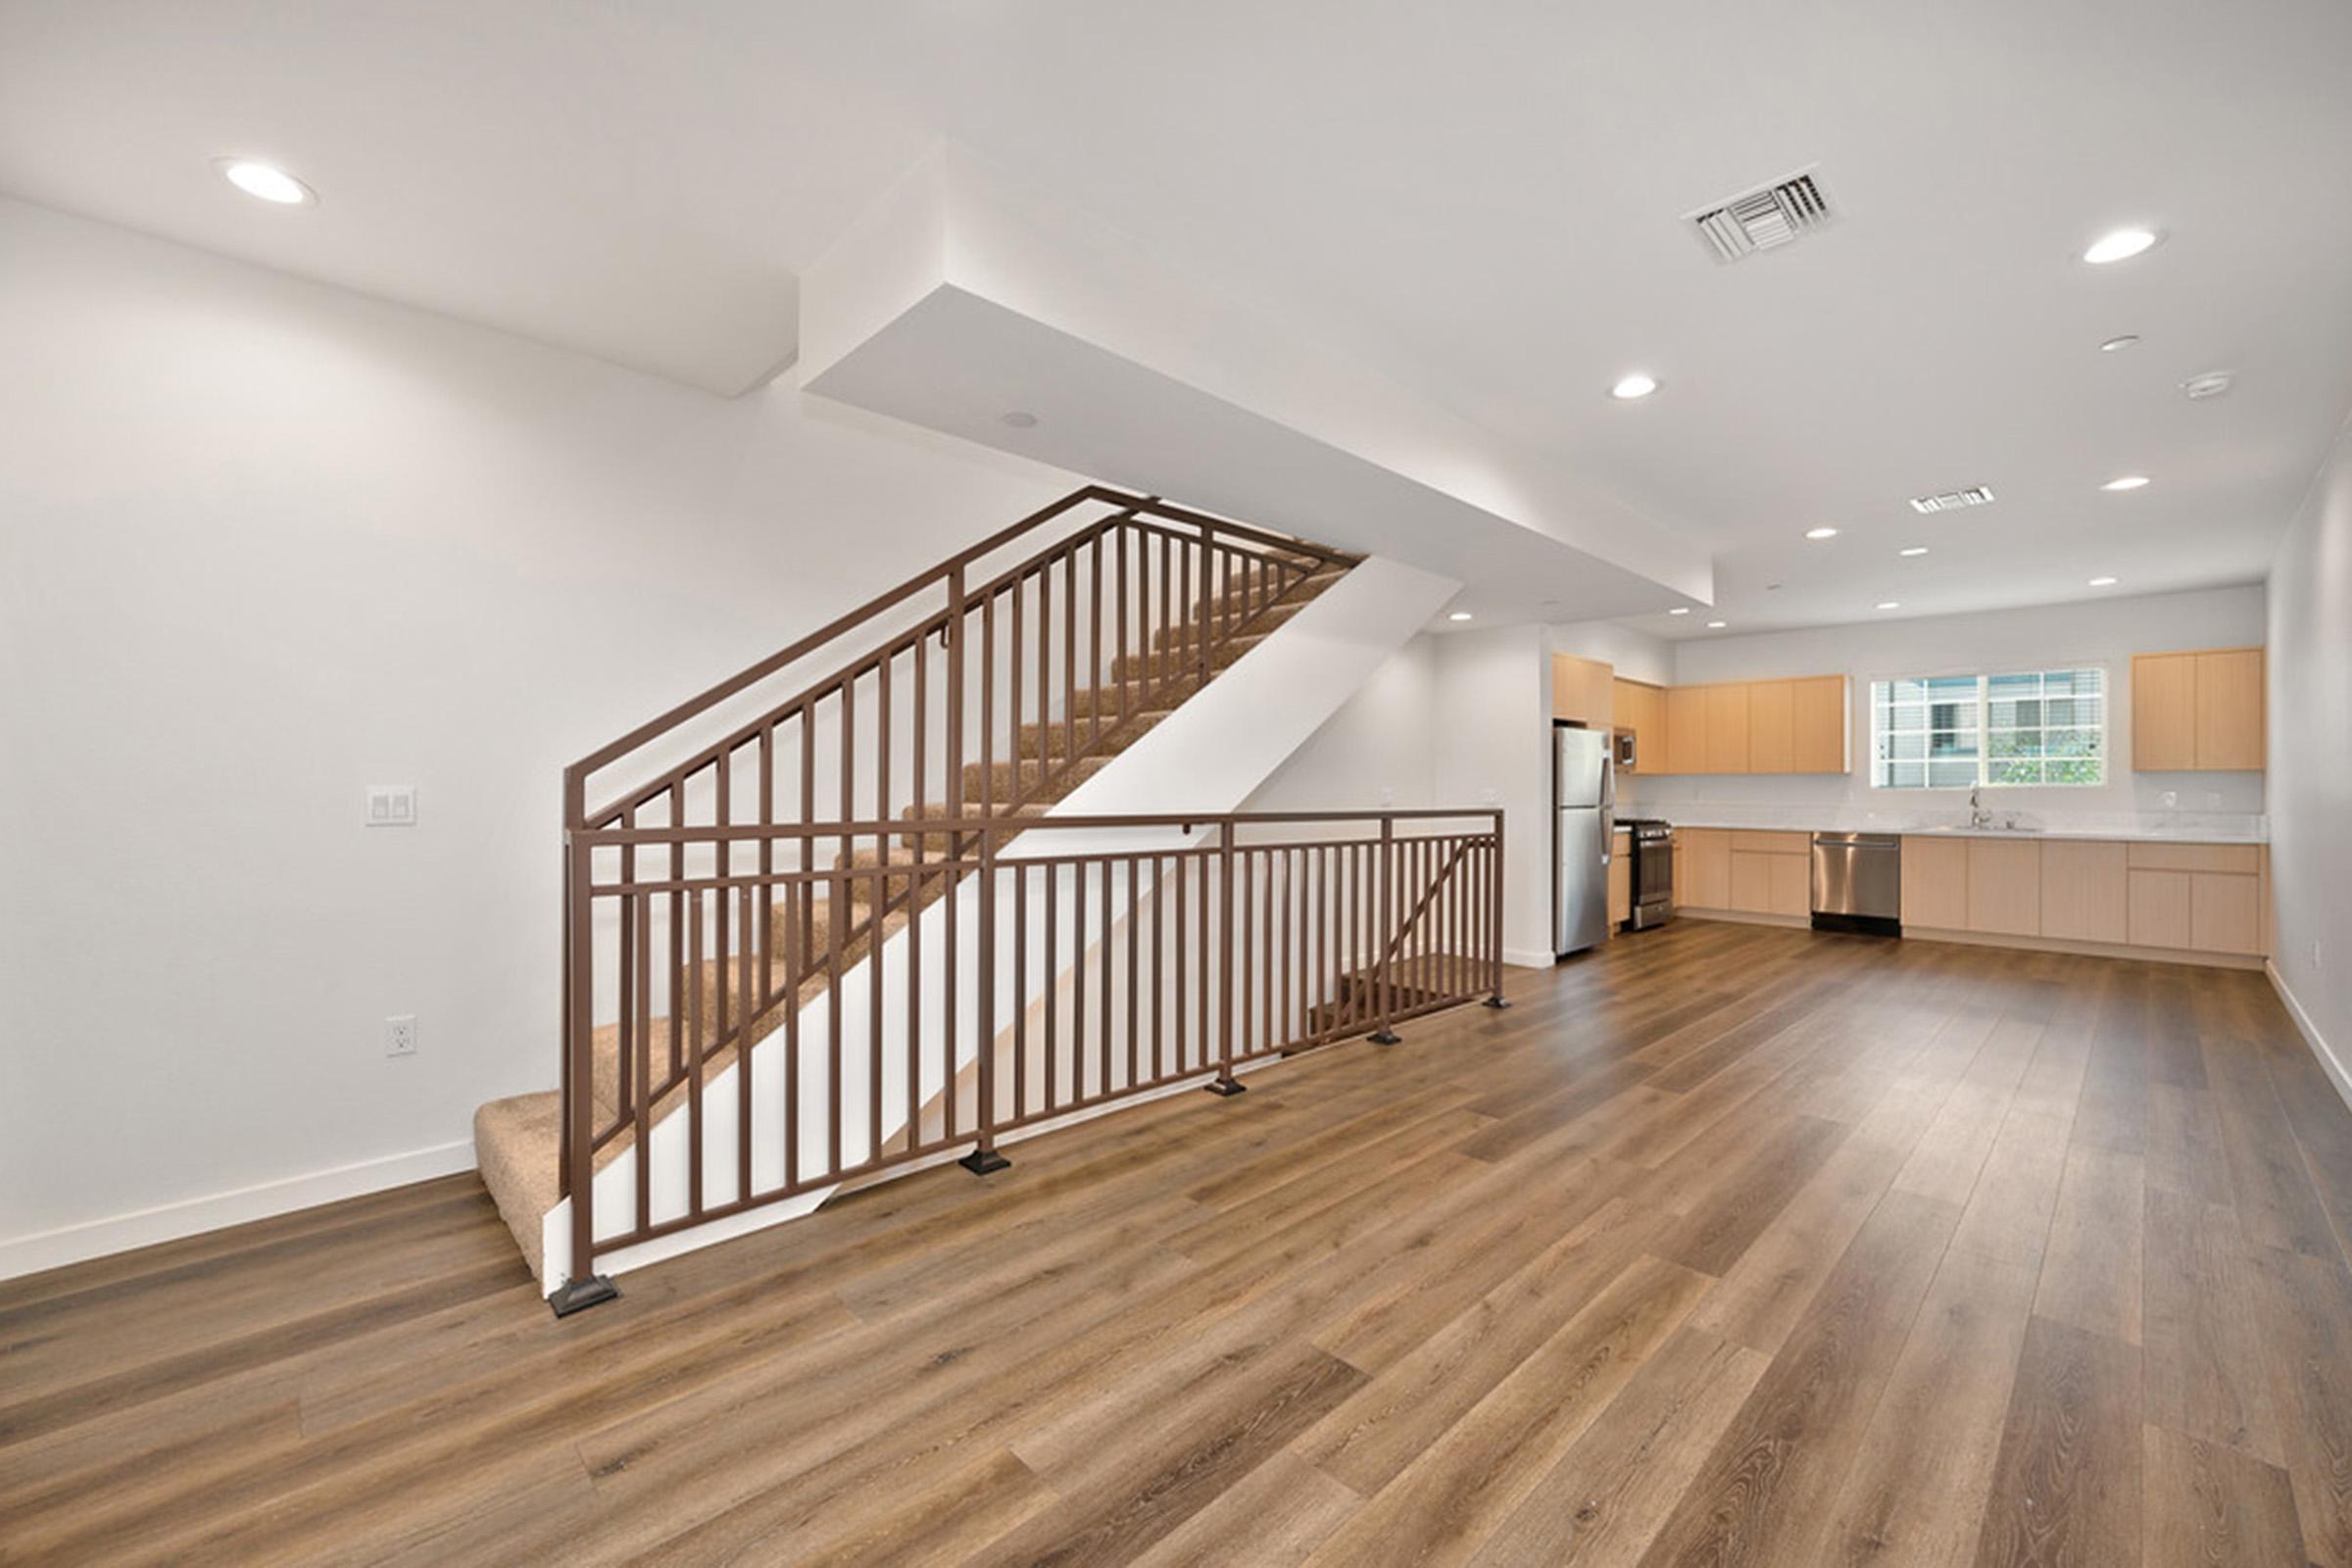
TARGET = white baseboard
x,y
1528,958
2330,1063
168,1222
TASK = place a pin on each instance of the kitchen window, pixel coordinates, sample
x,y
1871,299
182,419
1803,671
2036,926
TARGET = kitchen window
x,y
1954,732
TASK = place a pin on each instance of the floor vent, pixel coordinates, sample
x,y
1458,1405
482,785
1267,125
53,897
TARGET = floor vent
x,y
1765,218
1953,500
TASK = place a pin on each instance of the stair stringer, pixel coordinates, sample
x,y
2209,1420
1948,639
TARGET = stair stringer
x,y
1208,756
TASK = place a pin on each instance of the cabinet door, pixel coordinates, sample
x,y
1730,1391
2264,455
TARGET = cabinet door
x,y
2229,701
2164,712
1568,692
1792,884
1707,856
1649,728
1621,877
1771,726
2224,913
2159,915
2004,886
1821,725
1935,883
2083,893
1751,882
1686,729
1727,728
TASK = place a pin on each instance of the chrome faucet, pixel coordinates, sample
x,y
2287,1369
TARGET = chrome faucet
x,y
1977,816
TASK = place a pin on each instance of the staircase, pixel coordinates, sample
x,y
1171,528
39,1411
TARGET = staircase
x,y
1016,690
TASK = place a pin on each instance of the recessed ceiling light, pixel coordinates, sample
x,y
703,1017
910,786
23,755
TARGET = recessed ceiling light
x,y
2129,481
1716,625
1636,385
1915,549
2119,246
1459,615
1890,604
1020,418
2211,384
2124,342
1820,533
1680,610
269,184
2103,583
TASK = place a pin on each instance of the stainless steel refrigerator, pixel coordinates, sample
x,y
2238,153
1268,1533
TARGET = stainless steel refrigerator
x,y
1584,797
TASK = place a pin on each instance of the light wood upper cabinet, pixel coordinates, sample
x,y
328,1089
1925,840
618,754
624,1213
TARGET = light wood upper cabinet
x,y
1642,709
2084,891
1765,727
1685,730
1935,883
1727,729
1583,691
2230,703
2200,711
1771,726
1819,720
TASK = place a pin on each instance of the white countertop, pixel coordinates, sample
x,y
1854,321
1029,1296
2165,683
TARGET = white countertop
x,y
2160,832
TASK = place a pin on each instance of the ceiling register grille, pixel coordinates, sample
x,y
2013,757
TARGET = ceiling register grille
x,y
1765,218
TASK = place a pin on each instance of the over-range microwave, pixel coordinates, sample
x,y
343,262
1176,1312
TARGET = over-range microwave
x,y
1625,749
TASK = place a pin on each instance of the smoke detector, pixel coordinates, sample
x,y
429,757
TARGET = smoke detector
x,y
1953,500
2211,384
1765,218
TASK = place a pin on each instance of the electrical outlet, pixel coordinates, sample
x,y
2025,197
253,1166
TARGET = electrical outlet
x,y
391,806
399,1035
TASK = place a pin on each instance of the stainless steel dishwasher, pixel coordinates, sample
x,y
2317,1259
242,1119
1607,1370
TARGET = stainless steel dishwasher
x,y
1858,883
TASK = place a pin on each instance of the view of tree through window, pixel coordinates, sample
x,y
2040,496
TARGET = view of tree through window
x,y
1957,731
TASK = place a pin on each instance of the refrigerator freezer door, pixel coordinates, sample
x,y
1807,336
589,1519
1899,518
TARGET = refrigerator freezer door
x,y
1580,767
1583,877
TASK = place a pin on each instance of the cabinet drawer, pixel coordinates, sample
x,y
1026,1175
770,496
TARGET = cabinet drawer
x,y
1758,843
2245,859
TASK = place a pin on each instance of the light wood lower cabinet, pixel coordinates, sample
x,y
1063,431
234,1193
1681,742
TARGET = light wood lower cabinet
x,y
2180,898
1621,877
1771,874
1703,869
2084,892
1935,883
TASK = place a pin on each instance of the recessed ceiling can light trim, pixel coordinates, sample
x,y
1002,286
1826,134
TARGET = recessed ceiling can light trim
x,y
2115,343
2209,384
1680,610
1890,604
2103,583
1020,418
2127,481
2120,245
1459,615
1825,531
1913,550
1717,625
1639,384
266,182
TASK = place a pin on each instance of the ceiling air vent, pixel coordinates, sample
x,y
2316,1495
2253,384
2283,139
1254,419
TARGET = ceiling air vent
x,y
1953,500
1764,218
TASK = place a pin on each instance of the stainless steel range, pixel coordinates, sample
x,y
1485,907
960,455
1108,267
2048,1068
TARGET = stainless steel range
x,y
1652,877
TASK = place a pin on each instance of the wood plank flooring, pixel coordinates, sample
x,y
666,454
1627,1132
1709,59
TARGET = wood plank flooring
x,y
1726,1244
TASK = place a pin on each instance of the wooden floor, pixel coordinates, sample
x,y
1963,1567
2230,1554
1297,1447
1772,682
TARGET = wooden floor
x,y
1728,1245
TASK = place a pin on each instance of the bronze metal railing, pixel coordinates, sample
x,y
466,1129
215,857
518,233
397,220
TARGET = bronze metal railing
x,y
1038,968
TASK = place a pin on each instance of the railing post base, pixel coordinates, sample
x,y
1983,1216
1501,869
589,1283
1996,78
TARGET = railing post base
x,y
1386,1036
1227,1087
575,1295
1497,1003
984,1162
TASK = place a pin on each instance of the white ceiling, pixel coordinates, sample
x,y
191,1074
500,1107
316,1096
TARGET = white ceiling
x,y
1480,198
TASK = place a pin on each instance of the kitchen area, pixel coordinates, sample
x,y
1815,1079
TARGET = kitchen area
x,y
2101,808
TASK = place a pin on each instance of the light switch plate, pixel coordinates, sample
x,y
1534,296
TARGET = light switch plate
x,y
391,806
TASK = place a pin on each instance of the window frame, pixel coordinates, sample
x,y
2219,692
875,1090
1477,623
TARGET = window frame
x,y
1980,729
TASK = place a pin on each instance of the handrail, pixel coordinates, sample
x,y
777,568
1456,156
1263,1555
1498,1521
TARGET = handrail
x,y
575,777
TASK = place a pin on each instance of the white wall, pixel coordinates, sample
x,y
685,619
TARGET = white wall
x,y
2311,758
1492,745
2104,631
1374,750
263,543
1636,655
